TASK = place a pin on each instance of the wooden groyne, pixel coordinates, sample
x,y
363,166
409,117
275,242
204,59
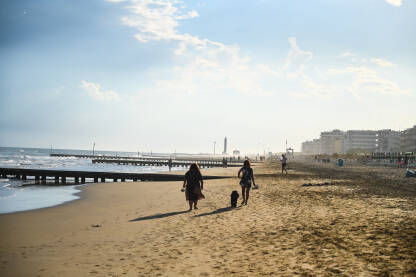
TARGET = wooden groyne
x,y
202,164
40,176
157,159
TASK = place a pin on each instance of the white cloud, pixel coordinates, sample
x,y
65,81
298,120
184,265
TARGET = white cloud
x,y
346,54
296,59
396,3
94,90
362,79
158,20
381,62
204,66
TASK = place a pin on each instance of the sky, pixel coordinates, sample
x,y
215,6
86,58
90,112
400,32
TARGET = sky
x,y
166,76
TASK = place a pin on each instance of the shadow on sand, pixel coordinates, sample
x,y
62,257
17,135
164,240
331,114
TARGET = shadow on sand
x,y
218,211
155,216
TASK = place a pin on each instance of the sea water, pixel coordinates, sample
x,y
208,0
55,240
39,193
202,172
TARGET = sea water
x,y
16,195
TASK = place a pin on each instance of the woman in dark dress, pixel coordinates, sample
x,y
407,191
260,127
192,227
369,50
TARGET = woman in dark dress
x,y
193,185
246,178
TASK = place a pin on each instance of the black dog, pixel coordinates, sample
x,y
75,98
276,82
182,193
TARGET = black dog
x,y
234,198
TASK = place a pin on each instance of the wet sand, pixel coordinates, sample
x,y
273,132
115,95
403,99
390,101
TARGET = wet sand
x,y
362,223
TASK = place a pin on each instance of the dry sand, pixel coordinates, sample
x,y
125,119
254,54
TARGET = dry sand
x,y
362,224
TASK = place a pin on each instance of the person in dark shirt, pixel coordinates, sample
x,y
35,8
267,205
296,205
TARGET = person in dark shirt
x,y
284,163
247,177
193,186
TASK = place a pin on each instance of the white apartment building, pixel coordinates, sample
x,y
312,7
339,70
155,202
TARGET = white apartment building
x,y
388,141
408,140
332,142
352,141
316,146
311,147
358,140
306,147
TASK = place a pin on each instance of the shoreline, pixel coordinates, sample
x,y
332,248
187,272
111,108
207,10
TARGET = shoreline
x,y
81,189
79,194
75,186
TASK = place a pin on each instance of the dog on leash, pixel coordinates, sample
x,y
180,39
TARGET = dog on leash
x,y
234,198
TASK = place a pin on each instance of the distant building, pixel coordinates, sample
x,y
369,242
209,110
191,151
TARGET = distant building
x,y
408,140
311,147
388,141
307,148
236,153
360,140
225,146
316,146
332,142
356,141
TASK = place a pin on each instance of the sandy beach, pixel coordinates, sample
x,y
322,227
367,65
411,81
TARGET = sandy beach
x,y
361,223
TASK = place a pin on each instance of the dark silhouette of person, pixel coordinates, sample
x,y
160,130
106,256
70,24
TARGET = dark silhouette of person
x,y
247,177
193,186
170,164
284,163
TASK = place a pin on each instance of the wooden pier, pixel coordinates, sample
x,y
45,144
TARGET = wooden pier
x,y
157,159
202,164
40,176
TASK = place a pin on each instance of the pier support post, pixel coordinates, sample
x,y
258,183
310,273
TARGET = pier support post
x,y
95,179
134,179
56,180
63,180
37,180
102,180
4,176
17,176
76,180
82,180
43,180
123,180
23,177
115,180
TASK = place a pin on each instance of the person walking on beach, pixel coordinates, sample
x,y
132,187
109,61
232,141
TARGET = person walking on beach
x,y
193,186
284,161
247,176
170,164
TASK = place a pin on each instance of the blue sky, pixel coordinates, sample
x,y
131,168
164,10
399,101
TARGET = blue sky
x,y
165,75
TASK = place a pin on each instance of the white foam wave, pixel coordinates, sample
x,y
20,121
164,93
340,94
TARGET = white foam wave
x,y
8,196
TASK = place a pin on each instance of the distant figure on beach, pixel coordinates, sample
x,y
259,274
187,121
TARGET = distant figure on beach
x,y
247,176
224,162
170,164
193,186
284,163
406,161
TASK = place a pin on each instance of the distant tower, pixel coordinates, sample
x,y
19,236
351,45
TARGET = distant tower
x,y
225,146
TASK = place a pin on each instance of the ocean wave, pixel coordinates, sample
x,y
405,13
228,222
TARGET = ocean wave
x,y
8,196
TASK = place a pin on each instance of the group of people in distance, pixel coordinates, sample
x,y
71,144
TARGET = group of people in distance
x,y
193,183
